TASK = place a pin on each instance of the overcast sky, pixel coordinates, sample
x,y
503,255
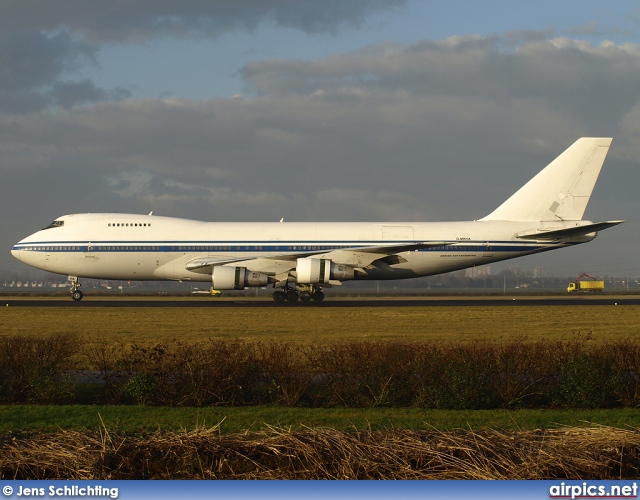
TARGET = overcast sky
x,y
333,110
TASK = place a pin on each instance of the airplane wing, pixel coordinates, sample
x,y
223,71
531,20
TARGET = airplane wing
x,y
556,234
365,256
279,263
204,262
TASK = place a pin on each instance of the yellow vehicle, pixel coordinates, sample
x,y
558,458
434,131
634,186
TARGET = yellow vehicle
x,y
589,285
213,292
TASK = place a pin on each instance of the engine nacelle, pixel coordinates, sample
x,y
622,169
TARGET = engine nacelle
x,y
342,272
314,271
236,278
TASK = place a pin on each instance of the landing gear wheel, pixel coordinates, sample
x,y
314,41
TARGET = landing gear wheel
x,y
279,296
318,296
305,296
76,294
292,296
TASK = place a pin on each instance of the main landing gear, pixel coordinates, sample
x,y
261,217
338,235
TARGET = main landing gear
x,y
76,294
305,293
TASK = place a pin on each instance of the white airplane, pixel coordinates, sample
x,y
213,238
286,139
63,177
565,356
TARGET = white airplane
x,y
299,259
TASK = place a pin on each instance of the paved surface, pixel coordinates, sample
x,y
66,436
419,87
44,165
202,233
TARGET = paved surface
x,y
329,302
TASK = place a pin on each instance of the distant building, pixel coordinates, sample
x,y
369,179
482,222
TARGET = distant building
x,y
515,271
477,272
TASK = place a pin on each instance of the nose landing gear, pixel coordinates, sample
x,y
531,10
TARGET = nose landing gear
x,y
76,294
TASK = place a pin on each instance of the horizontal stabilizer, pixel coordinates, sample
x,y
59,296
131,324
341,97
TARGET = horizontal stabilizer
x,y
570,232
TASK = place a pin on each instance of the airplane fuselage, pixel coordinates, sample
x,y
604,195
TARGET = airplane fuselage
x,y
148,247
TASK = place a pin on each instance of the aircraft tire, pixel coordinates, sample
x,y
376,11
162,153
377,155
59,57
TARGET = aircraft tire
x,y
292,296
279,296
305,296
77,295
318,296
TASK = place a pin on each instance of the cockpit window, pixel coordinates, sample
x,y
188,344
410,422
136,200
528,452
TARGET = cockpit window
x,y
55,223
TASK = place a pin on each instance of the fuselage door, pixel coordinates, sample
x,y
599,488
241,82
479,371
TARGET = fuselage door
x,y
488,250
90,253
397,233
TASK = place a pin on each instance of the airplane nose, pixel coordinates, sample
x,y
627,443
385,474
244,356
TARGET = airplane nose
x,y
16,253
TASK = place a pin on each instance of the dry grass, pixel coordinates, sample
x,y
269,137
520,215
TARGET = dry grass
x,y
299,324
276,453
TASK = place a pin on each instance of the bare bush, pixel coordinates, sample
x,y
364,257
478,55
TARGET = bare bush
x,y
37,370
519,373
626,372
288,373
478,375
367,373
458,376
175,374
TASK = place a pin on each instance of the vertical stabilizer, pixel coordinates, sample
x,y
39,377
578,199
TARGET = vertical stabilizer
x,y
562,189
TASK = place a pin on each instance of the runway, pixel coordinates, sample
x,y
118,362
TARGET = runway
x,y
338,302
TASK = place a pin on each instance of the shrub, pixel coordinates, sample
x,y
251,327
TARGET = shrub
x,y
457,377
142,388
37,370
480,375
288,372
582,376
366,373
626,372
201,374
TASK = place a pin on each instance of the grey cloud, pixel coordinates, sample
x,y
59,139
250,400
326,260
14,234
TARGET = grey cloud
x,y
34,68
391,102
67,94
569,75
30,62
124,20
329,15
468,106
172,194
43,42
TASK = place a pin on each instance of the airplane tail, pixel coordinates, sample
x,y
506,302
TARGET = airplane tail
x,y
561,191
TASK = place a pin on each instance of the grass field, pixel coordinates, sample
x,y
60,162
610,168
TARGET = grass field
x,y
298,324
26,419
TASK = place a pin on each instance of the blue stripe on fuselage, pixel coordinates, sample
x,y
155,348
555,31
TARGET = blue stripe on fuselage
x,y
267,247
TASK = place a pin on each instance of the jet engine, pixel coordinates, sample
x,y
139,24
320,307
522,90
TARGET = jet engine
x,y
236,278
318,271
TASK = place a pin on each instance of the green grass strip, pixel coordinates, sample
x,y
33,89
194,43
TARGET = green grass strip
x,y
140,419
